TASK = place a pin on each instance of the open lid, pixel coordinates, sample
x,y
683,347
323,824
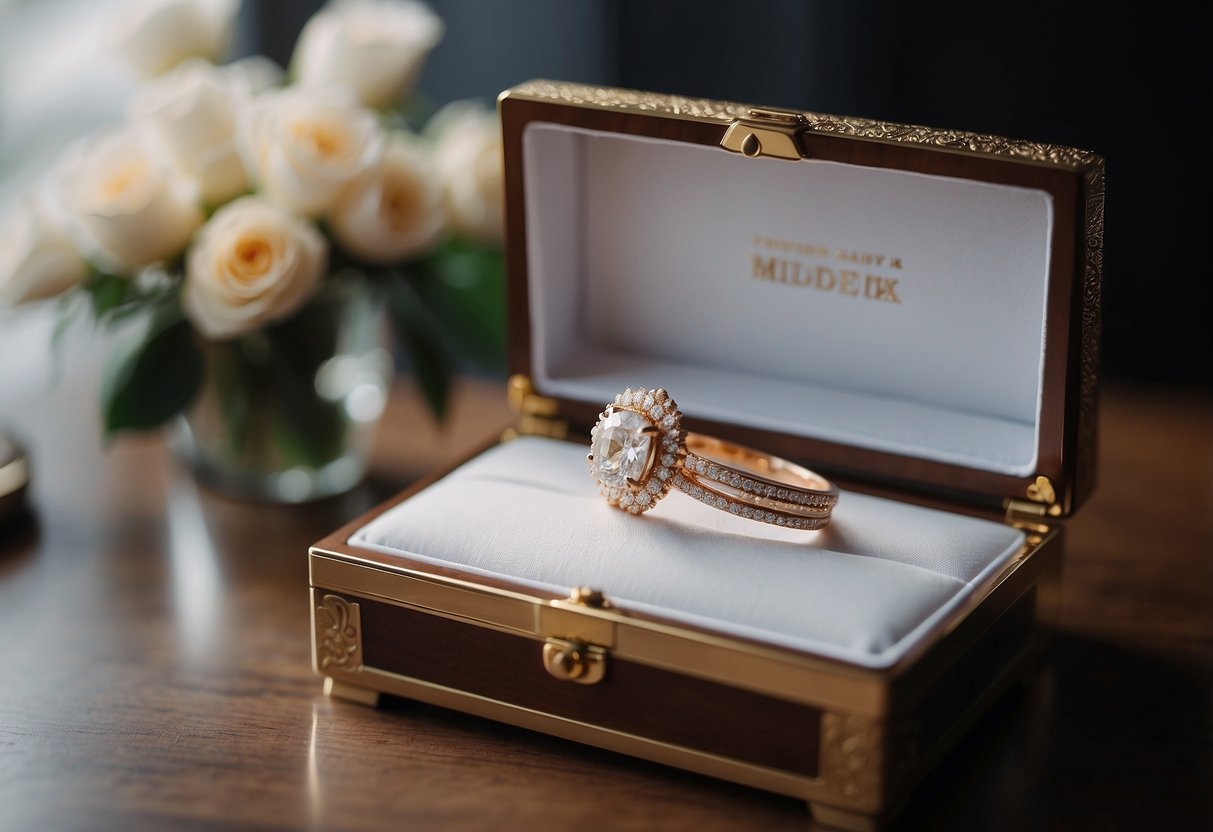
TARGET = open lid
x,y
902,304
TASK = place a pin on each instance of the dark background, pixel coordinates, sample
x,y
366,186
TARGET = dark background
x,y
1128,81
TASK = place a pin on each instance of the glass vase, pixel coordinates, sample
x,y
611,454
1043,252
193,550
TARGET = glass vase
x,y
287,414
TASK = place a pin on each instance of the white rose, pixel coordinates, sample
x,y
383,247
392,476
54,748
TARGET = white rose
x,y
37,259
394,210
305,146
468,149
376,47
127,204
254,73
251,264
156,35
192,115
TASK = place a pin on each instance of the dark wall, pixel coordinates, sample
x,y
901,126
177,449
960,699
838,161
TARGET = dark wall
x,y
1127,81
1123,80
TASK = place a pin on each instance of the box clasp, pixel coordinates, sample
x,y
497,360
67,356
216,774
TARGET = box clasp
x,y
767,132
572,661
1032,514
571,656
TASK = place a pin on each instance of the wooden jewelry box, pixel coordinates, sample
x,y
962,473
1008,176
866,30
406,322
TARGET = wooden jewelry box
x,y
913,312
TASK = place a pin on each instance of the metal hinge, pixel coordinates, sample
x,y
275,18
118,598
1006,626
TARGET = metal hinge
x,y
578,652
767,132
1034,512
537,415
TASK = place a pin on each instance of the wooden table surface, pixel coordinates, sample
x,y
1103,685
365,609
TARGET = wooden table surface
x,y
154,666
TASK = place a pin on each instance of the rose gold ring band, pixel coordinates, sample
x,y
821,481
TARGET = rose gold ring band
x,y
754,485
639,452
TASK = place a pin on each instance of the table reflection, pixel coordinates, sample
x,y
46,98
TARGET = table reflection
x,y
195,580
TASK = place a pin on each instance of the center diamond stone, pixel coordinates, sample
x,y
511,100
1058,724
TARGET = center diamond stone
x,y
620,449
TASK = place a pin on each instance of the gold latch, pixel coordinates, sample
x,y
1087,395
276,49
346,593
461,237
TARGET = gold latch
x,y
537,415
1032,514
571,656
767,132
572,661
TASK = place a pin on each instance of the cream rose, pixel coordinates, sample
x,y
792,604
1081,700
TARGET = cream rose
x,y
37,259
254,73
394,210
126,203
156,35
251,264
305,146
192,115
467,141
376,47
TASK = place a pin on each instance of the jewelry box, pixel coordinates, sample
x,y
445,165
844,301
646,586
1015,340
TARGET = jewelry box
x,y
911,312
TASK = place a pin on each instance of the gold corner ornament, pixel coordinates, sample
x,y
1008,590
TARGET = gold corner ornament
x,y
852,758
338,634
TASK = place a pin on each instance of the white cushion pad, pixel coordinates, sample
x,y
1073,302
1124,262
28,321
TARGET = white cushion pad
x,y
866,590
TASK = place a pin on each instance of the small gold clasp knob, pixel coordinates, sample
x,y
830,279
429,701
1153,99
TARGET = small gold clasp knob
x,y
571,661
587,596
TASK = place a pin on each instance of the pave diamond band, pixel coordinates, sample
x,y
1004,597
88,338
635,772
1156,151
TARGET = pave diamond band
x,y
639,451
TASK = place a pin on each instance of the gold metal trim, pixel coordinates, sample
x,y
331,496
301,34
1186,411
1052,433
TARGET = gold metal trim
x,y
571,618
614,98
357,694
690,759
703,109
502,609
338,627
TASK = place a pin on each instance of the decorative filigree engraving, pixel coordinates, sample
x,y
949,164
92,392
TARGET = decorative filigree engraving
x,y
952,140
338,636
585,95
1091,326
852,757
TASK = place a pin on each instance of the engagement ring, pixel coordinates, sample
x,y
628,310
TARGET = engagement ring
x,y
639,451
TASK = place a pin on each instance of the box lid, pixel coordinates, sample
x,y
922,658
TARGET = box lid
x,y
895,303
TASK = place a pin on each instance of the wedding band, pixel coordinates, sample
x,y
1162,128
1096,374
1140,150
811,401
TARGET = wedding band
x,y
639,452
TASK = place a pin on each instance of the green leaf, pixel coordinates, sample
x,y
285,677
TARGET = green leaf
x,y
421,337
151,380
309,430
463,285
68,308
108,292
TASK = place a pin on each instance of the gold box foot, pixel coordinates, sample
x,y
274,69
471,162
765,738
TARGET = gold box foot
x,y
828,816
350,693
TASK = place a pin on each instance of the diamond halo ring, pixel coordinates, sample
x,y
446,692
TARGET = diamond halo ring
x,y
639,451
